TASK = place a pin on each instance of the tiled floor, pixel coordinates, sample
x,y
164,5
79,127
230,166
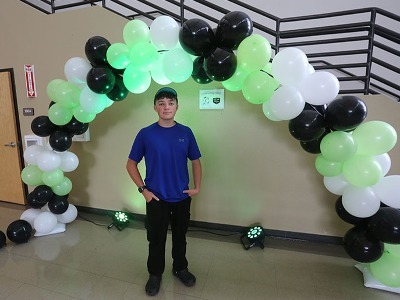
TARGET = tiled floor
x,y
88,261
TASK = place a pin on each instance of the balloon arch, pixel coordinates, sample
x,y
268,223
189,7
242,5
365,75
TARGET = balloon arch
x,y
351,155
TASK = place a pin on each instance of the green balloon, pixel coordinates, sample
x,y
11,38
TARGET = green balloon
x,y
51,88
83,116
326,167
375,138
144,56
253,53
32,175
393,249
59,115
135,80
118,56
258,87
136,31
387,270
67,94
177,65
338,146
63,188
53,178
235,83
362,171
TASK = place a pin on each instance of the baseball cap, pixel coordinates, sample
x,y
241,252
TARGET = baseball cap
x,y
166,90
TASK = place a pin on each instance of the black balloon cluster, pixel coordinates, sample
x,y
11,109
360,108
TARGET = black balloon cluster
x,y
214,48
102,78
315,121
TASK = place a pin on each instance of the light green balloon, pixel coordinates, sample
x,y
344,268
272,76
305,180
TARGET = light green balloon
x,y
135,80
67,94
362,171
53,178
118,56
387,270
375,138
83,116
52,87
59,115
326,167
338,146
253,53
32,175
258,87
136,31
235,83
177,65
63,188
393,249
144,56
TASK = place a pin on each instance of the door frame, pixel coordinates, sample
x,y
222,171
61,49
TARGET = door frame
x,y
18,127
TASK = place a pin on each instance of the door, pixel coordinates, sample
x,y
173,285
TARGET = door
x,y
12,189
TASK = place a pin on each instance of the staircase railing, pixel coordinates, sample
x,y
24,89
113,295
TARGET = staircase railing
x,y
359,46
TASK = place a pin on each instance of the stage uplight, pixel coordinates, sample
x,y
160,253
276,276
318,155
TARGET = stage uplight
x,y
120,220
253,236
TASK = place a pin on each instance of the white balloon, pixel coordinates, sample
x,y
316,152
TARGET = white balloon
x,y
69,215
268,113
76,69
69,161
164,32
290,66
30,215
286,103
385,162
31,153
48,161
319,88
336,184
360,202
388,190
45,222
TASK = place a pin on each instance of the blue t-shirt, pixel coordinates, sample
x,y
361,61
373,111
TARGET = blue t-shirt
x,y
166,151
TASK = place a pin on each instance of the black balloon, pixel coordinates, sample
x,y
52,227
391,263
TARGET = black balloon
x,y
233,28
385,225
42,126
58,204
362,246
307,126
314,145
39,196
3,239
199,74
197,37
119,91
220,65
349,218
75,127
60,140
96,50
100,80
345,113
318,108
19,231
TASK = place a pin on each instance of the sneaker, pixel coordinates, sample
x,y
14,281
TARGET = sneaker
x,y
153,285
185,277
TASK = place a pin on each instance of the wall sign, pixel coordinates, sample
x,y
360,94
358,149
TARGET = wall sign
x,y
30,81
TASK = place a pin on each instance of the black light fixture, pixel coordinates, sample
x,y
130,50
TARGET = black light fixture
x,y
120,220
253,236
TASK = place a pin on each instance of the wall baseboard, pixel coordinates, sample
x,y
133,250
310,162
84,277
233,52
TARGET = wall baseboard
x,y
281,234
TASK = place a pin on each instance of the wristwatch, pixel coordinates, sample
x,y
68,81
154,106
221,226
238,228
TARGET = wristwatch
x,y
142,188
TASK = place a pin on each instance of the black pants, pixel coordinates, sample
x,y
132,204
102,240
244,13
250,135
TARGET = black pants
x,y
159,214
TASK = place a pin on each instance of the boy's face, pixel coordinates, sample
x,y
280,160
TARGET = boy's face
x,y
166,108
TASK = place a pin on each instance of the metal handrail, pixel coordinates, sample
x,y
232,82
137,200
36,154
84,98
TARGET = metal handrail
x,y
369,31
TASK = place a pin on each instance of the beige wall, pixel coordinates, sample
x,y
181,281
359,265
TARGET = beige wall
x,y
254,171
